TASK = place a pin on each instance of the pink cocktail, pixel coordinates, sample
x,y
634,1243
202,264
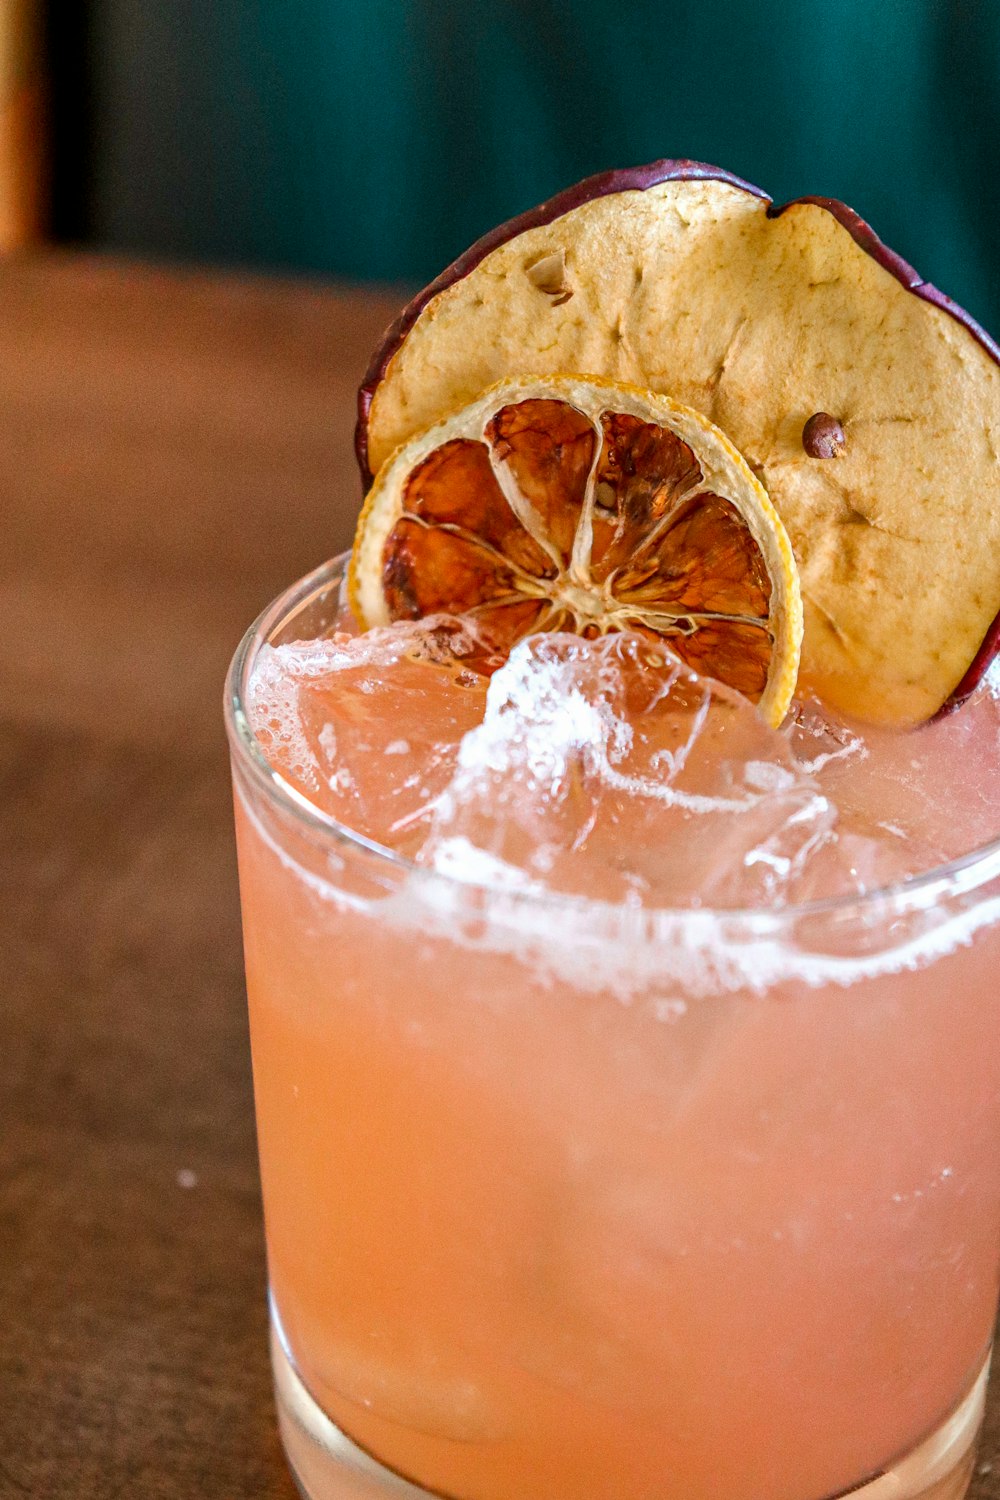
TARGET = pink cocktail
x,y
660,1164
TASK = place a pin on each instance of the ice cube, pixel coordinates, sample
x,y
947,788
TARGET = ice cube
x,y
368,726
927,793
605,767
819,741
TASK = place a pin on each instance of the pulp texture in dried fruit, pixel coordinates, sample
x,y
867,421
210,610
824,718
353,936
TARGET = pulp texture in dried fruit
x,y
591,507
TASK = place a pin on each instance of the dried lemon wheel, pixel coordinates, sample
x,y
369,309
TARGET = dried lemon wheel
x,y
571,503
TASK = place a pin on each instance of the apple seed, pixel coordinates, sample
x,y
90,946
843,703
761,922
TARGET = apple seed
x,y
823,436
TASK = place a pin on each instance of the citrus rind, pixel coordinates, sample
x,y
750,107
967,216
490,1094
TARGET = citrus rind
x,y
724,472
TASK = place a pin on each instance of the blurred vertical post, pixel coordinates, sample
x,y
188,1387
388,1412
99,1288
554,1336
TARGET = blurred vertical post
x,y
22,122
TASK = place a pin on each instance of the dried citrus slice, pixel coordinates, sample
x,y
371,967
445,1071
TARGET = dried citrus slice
x,y
591,506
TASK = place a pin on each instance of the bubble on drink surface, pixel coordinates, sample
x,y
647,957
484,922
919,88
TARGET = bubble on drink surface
x,y
460,859
368,726
272,700
607,768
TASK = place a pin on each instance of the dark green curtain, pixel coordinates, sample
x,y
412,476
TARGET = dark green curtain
x,y
376,138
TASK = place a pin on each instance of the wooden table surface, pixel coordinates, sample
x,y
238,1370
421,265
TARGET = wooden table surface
x,y
176,446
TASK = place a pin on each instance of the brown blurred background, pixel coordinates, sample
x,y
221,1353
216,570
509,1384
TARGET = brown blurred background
x,y
25,185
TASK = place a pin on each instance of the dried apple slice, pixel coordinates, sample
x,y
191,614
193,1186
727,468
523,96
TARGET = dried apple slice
x,y
589,506
865,401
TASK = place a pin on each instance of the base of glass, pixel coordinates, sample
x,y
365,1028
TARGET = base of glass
x,y
327,1465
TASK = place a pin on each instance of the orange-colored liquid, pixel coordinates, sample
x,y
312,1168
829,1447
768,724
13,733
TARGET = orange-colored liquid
x,y
534,1237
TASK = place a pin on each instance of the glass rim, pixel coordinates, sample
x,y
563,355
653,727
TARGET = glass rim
x,y
957,876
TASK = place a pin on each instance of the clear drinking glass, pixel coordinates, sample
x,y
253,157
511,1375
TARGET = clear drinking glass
x,y
569,1201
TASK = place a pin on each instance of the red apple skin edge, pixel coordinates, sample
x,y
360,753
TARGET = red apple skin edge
x,y
637,179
